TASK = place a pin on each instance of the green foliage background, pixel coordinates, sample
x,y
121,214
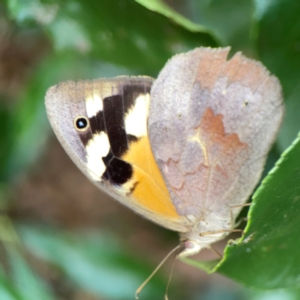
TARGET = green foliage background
x,y
90,39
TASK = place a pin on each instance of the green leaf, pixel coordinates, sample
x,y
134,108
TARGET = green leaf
x,y
229,21
28,284
207,266
94,262
282,294
291,122
121,31
6,139
267,256
7,289
162,8
278,33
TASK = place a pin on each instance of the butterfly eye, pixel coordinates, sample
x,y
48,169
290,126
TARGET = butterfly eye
x,y
81,123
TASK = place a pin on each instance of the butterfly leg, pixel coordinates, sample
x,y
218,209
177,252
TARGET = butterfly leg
x,y
236,224
207,233
219,231
211,248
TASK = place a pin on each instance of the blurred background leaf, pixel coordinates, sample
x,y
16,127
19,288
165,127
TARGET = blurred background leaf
x,y
92,261
83,246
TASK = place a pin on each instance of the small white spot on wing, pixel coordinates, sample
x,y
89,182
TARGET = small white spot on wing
x,y
94,104
97,148
136,118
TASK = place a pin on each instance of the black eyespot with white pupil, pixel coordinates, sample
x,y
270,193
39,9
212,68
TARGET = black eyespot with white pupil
x,y
81,123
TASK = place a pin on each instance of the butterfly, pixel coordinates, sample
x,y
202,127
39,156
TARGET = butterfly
x,y
184,150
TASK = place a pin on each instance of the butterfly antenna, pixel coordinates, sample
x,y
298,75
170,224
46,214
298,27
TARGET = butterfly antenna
x,y
154,272
171,273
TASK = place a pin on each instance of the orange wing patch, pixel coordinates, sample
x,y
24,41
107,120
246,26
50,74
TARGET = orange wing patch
x,y
212,133
147,185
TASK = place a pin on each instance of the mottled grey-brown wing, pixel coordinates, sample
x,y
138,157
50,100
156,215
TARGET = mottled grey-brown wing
x,y
212,122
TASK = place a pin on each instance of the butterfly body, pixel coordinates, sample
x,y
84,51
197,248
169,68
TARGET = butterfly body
x,y
185,150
